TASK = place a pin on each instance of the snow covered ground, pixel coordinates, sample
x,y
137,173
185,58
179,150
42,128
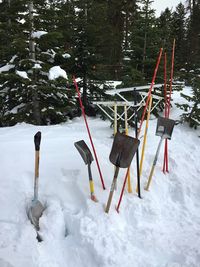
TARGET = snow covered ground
x,y
160,230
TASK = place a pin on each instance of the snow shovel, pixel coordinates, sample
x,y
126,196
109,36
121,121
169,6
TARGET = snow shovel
x,y
36,209
164,129
86,155
121,155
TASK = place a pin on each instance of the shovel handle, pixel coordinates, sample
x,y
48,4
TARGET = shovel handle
x,y
113,186
110,195
154,163
150,177
91,183
37,160
37,140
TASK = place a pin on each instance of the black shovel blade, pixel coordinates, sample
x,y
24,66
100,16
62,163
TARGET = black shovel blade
x,y
123,150
165,127
84,151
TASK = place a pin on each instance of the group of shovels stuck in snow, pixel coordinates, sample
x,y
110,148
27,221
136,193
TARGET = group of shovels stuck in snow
x,y
122,152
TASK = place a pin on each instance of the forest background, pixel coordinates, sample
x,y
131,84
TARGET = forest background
x,y
97,41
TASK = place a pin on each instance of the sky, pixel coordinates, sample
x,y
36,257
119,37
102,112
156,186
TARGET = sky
x,y
160,5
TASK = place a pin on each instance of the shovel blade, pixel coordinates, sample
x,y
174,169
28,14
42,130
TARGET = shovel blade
x,y
123,150
165,127
84,151
35,212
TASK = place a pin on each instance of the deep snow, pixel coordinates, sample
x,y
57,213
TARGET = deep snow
x,y
160,230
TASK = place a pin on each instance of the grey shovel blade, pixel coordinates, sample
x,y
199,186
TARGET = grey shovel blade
x,y
35,212
165,127
123,150
84,151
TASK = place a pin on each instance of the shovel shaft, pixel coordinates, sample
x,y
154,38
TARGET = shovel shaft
x,y
150,177
37,160
90,179
91,186
111,195
145,137
113,185
129,182
154,164
137,154
126,132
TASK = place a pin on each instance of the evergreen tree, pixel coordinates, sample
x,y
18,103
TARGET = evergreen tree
x,y
87,51
193,38
165,26
192,108
35,99
179,33
13,47
144,41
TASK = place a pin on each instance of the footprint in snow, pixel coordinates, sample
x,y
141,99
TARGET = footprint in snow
x,y
176,192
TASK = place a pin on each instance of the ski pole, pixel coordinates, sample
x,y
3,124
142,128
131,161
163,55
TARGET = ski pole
x,y
88,130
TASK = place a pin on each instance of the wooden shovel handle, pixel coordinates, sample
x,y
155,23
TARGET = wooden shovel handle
x,y
111,195
113,186
37,160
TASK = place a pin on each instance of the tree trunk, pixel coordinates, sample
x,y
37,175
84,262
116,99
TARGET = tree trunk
x,y
36,106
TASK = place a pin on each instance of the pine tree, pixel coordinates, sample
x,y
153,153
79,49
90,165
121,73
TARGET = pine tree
x,y
87,50
192,108
12,48
165,26
193,38
144,41
179,33
34,99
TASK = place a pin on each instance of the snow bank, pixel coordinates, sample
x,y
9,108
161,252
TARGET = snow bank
x,y
160,230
